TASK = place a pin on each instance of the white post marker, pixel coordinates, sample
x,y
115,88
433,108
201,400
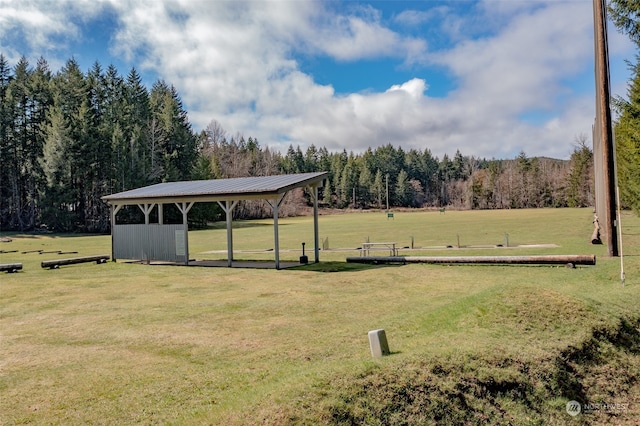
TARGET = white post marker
x,y
378,343
619,226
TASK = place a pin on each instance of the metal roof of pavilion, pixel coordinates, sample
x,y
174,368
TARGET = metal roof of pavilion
x,y
217,189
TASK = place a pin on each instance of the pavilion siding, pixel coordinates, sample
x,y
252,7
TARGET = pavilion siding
x,y
149,242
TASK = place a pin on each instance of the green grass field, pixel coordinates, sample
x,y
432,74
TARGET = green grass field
x,y
124,343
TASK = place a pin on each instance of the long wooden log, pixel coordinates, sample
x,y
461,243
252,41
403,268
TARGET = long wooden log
x,y
54,264
10,267
495,260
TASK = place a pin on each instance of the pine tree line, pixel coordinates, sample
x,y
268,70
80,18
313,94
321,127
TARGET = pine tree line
x,y
68,138
418,179
391,176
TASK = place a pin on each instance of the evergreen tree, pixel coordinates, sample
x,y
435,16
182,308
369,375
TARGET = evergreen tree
x,y
459,169
68,140
378,188
42,98
579,180
326,193
101,112
6,125
324,161
29,96
289,161
627,131
311,159
135,150
402,189
174,148
18,144
348,182
493,191
626,16
389,161
520,185
446,174
253,152
337,165
628,157
109,100
365,183
56,201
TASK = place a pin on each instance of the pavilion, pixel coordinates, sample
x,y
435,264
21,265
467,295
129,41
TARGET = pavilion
x,y
170,242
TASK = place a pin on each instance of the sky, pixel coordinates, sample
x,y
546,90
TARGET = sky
x,y
490,78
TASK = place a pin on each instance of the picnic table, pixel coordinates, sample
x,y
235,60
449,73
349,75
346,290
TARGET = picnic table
x,y
367,247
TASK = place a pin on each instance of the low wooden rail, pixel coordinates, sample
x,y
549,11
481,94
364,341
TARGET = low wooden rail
x,y
495,260
55,264
10,267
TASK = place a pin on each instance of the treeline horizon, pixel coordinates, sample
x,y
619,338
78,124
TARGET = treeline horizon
x,y
413,178
68,138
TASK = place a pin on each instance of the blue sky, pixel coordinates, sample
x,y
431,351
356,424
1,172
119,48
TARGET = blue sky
x,y
490,78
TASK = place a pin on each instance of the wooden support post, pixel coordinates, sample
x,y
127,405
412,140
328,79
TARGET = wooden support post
x,y
316,238
112,219
276,238
184,209
115,208
146,209
228,207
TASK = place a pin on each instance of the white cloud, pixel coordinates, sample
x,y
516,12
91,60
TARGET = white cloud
x,y
419,17
238,62
35,28
350,38
414,87
521,66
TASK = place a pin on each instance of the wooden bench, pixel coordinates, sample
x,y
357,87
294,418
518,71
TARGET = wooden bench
x,y
55,264
10,267
390,246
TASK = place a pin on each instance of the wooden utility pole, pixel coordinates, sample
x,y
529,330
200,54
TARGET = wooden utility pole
x,y
603,130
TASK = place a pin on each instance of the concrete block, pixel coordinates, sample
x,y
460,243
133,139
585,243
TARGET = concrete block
x,y
378,343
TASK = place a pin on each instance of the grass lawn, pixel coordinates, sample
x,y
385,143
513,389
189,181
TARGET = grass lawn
x,y
123,343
